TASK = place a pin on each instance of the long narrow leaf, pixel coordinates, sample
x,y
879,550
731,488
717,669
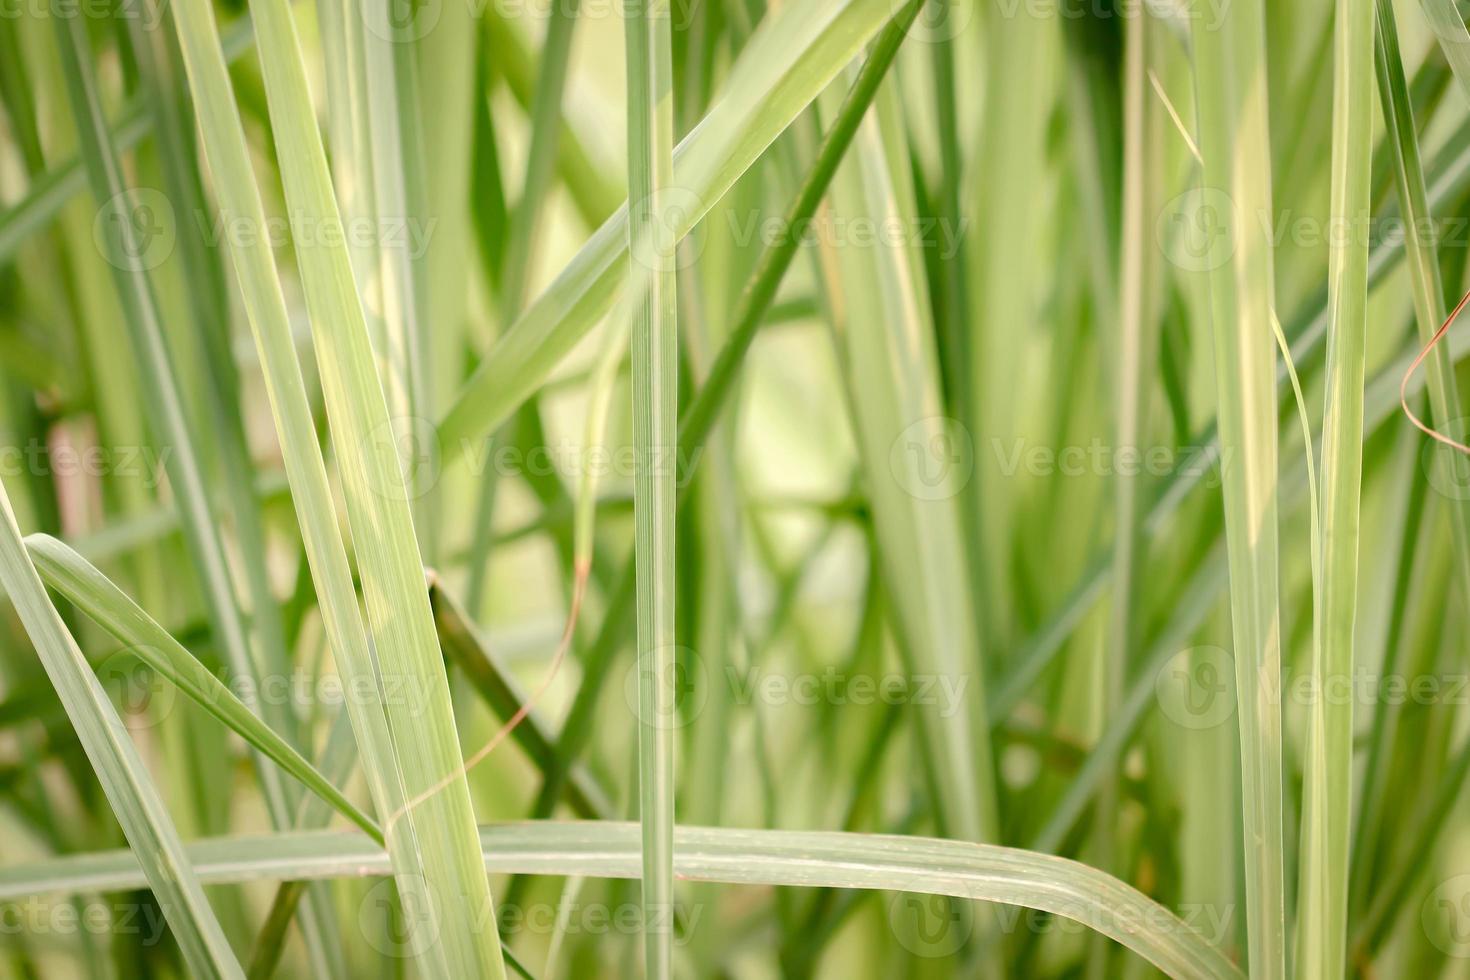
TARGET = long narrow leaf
x,y
605,849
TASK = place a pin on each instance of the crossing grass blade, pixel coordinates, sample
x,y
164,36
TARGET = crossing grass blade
x,y
705,406
72,576
163,398
795,53
160,856
225,150
378,491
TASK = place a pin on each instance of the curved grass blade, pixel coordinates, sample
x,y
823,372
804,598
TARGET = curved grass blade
x,y
103,602
605,849
158,856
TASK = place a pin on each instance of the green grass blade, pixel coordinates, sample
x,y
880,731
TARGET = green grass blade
x,y
228,157
162,396
104,603
437,802
704,408
1422,256
654,340
1231,96
1449,29
1327,804
468,650
886,336
50,192
793,56
164,865
806,859
546,113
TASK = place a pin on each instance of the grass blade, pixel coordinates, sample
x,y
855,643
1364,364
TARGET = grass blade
x,y
437,803
1422,255
103,602
224,145
160,859
1230,91
655,419
793,56
1327,790
979,872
